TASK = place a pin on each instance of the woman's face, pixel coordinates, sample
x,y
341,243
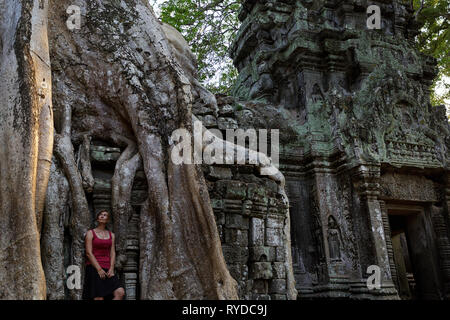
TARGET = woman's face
x,y
103,217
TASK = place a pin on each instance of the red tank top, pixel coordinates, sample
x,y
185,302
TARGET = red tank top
x,y
101,249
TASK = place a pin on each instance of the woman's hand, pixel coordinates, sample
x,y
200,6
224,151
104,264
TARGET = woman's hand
x,y
110,273
102,273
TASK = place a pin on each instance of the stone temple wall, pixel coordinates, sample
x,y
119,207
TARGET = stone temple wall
x,y
364,153
251,223
250,215
103,160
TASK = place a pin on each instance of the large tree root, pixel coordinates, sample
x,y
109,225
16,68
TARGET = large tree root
x,y
205,223
44,160
85,164
169,280
52,238
122,184
80,219
22,68
186,257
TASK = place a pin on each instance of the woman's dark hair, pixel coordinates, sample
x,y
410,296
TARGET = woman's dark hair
x,y
101,211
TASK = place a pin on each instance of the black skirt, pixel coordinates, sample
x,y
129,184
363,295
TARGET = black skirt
x,y
94,286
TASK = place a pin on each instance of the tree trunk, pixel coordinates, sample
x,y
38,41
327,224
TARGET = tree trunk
x,y
26,140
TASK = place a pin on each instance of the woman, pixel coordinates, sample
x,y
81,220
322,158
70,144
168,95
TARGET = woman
x,y
100,280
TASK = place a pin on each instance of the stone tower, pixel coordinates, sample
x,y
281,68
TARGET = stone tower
x,y
364,152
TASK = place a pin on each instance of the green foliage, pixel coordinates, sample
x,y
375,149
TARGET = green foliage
x,y
209,27
434,40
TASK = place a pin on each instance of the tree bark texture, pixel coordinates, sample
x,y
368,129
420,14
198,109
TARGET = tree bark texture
x,y
26,129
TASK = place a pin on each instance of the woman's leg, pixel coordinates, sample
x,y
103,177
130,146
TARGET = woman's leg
x,y
118,294
99,298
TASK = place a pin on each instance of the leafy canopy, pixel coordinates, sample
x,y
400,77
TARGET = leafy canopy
x,y
434,40
209,27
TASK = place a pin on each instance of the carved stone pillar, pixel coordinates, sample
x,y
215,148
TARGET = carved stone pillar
x,y
104,159
445,248
367,185
130,270
387,234
333,274
443,243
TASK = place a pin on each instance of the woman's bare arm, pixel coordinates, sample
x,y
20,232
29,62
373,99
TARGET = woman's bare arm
x,y
112,256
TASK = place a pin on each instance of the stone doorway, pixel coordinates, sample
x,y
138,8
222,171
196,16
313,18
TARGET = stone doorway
x,y
413,252
103,162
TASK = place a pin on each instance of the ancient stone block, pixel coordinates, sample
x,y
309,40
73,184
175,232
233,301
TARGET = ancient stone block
x,y
236,221
244,272
102,185
280,254
243,238
209,121
246,207
236,236
257,192
277,286
233,206
407,187
275,223
232,189
256,232
274,237
279,270
217,203
259,209
227,123
262,254
131,280
220,217
200,110
276,208
278,297
231,253
246,169
271,185
219,173
261,270
222,99
226,110
244,252
260,286
104,154
235,271
221,233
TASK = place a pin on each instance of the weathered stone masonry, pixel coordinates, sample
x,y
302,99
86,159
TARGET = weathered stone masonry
x,y
364,153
